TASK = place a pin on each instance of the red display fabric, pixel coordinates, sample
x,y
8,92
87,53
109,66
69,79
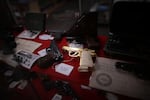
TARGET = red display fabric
x,y
75,79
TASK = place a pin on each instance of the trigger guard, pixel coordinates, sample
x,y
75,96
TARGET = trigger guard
x,y
74,53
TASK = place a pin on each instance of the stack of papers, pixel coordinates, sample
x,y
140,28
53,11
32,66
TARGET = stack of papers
x,y
26,45
27,34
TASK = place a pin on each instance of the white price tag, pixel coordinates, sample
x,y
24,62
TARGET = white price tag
x,y
64,69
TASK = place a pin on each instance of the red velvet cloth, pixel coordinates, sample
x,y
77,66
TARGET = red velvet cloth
x,y
75,79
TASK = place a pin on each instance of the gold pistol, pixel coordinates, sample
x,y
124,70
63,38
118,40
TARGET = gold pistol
x,y
86,62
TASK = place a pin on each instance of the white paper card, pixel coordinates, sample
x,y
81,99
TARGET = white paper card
x,y
64,69
42,52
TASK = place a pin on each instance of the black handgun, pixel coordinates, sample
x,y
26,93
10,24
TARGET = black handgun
x,y
53,56
54,50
